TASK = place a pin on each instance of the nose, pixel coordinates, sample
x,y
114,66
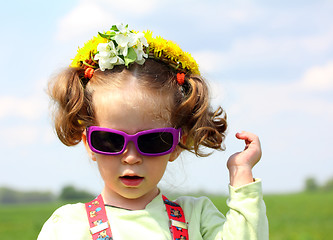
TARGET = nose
x,y
130,155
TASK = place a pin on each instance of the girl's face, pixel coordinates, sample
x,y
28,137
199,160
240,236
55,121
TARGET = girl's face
x,y
130,175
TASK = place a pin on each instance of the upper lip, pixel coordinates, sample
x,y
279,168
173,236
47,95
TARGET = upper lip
x,y
130,175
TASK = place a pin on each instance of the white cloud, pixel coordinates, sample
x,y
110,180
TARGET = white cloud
x,y
27,134
87,16
265,51
319,43
290,49
261,102
20,135
28,108
223,15
319,78
93,16
208,60
253,50
272,37
142,7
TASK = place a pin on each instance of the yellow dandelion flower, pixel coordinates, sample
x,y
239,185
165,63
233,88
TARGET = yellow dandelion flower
x,y
149,36
89,49
169,50
173,51
188,62
158,45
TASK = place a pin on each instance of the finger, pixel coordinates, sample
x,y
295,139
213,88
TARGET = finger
x,y
247,136
244,135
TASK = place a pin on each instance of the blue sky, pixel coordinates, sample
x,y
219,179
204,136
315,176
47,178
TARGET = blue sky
x,y
269,64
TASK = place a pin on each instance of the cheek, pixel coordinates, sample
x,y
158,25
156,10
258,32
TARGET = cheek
x,y
157,166
106,164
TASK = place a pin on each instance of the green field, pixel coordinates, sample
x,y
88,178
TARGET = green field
x,y
301,216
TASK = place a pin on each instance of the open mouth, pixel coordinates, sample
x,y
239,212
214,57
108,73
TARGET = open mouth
x,y
131,177
131,180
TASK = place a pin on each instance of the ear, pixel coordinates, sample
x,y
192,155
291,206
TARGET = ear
x,y
174,155
178,150
85,142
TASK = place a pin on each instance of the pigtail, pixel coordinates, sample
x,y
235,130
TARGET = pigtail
x,y
70,113
201,125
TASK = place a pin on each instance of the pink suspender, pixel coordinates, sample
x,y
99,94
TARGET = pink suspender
x,y
98,221
178,225
100,227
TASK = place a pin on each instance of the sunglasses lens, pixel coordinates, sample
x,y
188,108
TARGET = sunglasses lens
x,y
107,141
155,142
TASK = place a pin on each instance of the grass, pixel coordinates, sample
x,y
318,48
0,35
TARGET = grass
x,y
303,216
23,221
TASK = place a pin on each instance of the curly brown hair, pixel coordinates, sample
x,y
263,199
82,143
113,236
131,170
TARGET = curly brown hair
x,y
190,106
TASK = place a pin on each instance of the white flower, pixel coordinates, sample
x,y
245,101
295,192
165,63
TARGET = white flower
x,y
107,56
123,43
140,38
122,39
128,39
140,54
122,28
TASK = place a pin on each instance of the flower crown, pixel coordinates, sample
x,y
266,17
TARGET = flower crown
x,y
121,46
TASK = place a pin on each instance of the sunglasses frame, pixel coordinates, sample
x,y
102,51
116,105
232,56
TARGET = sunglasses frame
x,y
176,134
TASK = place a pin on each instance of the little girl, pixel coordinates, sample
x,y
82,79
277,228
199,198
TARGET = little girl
x,y
136,102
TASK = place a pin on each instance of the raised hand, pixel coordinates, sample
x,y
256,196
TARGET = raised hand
x,y
241,163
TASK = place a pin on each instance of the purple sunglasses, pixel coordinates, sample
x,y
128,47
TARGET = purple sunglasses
x,y
153,142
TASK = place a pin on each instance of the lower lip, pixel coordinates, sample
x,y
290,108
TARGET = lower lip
x,y
131,182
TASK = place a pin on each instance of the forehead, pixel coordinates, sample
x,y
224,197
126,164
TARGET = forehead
x,y
131,108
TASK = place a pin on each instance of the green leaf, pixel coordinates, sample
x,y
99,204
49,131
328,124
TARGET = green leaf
x,y
122,57
115,43
114,28
107,36
131,57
